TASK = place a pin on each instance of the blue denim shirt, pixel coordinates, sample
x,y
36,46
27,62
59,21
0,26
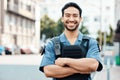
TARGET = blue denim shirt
x,y
49,56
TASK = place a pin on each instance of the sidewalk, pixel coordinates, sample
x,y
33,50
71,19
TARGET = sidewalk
x,y
20,59
35,60
103,75
21,67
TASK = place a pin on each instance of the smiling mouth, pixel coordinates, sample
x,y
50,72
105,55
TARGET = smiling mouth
x,y
71,22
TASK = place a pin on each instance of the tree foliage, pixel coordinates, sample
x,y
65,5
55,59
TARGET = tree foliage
x,y
109,37
59,29
83,29
51,28
47,26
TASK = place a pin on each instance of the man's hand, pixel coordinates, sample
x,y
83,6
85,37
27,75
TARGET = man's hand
x,y
60,62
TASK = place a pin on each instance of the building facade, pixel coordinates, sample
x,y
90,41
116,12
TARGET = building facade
x,y
18,23
117,10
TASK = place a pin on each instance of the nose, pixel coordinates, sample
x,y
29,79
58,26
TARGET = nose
x,y
71,18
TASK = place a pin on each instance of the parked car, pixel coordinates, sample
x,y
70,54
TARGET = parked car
x,y
2,49
25,50
34,50
8,51
12,49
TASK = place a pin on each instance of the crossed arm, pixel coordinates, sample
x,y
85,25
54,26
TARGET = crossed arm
x,y
68,66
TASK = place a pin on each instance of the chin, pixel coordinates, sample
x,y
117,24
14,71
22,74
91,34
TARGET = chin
x,y
72,29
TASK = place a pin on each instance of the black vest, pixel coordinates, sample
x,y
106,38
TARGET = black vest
x,y
76,51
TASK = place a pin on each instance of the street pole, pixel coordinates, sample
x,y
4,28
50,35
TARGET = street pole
x,y
119,50
108,69
100,38
37,26
0,19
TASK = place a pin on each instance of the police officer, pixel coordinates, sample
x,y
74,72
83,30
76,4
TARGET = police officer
x,y
71,68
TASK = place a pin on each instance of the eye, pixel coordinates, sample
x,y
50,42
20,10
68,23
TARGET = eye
x,y
67,15
75,15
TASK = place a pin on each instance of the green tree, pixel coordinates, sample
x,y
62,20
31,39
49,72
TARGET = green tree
x,y
47,26
83,29
109,37
100,35
59,28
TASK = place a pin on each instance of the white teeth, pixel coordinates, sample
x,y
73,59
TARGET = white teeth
x,y
71,23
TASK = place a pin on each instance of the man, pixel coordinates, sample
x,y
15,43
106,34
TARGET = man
x,y
66,68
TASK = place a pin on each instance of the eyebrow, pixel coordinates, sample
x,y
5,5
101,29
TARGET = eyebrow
x,y
71,14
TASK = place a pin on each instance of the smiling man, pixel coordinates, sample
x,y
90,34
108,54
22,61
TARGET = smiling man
x,y
78,59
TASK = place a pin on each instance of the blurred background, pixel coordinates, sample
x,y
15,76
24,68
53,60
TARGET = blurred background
x,y
26,25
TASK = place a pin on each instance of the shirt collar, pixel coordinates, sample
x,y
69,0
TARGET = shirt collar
x,y
80,36
64,39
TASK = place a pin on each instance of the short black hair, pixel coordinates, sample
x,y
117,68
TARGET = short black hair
x,y
71,4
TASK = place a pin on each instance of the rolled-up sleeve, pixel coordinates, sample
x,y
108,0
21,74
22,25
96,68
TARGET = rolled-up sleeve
x,y
48,56
94,52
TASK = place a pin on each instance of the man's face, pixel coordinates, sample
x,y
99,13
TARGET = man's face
x,y
71,18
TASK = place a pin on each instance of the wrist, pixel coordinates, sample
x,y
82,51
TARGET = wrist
x,y
67,61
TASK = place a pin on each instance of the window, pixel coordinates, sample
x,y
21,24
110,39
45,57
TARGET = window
x,y
16,2
21,22
7,19
28,7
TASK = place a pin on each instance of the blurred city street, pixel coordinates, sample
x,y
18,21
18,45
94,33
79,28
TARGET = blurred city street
x,y
20,67
26,67
27,25
114,73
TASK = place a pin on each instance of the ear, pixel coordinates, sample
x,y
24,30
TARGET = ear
x,y
80,19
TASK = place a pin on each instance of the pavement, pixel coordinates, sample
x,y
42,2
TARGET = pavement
x,y
111,73
32,59
21,67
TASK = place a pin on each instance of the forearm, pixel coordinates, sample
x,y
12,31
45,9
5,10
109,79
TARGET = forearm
x,y
83,65
58,71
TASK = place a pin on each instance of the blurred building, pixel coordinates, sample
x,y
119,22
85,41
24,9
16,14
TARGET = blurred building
x,y
117,11
18,22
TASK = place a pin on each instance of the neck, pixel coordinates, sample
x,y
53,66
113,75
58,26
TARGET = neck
x,y
71,34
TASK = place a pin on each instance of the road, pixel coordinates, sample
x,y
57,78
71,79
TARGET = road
x,y
26,67
21,67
